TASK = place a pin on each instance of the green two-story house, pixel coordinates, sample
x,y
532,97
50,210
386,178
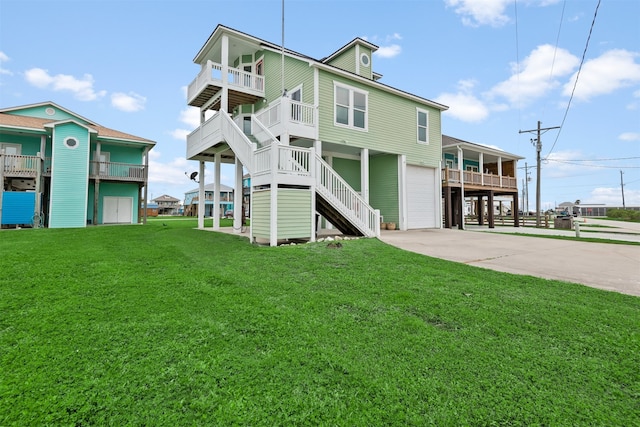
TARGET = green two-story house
x,y
323,140
61,170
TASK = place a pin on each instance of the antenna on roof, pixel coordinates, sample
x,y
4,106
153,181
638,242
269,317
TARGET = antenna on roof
x,y
193,176
282,52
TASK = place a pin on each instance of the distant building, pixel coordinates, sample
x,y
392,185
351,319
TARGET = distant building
x,y
167,205
191,200
592,209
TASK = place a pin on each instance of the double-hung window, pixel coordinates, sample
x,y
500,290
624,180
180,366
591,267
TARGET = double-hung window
x,y
351,107
423,127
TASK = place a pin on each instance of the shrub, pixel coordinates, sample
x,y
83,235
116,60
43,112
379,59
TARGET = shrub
x,y
623,214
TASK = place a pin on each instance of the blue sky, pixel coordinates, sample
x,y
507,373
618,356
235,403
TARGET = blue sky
x,y
500,65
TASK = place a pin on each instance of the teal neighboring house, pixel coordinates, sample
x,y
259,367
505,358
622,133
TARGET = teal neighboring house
x,y
325,142
61,170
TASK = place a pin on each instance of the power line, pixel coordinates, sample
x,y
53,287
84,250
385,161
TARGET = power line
x,y
555,50
568,162
584,53
592,160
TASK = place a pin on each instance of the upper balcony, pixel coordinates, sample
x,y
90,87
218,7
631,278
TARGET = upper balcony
x,y
244,87
478,181
16,166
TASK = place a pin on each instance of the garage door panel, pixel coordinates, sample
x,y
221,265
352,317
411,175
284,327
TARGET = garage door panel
x,y
421,200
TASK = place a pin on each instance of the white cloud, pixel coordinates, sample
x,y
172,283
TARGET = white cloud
x,y
82,88
388,51
4,58
481,12
535,79
129,102
180,134
191,117
170,173
612,196
612,70
463,105
629,136
559,164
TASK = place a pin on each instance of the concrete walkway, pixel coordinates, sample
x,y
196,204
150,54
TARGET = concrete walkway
x,y
606,266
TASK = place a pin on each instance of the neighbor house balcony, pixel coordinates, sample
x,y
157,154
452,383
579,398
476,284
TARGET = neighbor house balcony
x,y
16,166
113,171
477,180
206,89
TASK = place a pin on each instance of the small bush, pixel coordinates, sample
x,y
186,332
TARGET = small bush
x,y
623,214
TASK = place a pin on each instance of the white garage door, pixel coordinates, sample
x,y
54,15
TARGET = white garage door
x,y
421,200
117,210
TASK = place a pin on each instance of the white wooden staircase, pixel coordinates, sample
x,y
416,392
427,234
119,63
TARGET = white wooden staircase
x,y
269,161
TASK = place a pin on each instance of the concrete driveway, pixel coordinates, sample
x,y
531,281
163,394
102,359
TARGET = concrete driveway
x,y
605,266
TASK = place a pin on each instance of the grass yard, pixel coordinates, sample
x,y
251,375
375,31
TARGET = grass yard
x,y
165,325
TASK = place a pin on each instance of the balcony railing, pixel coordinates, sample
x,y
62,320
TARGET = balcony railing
x,y
113,171
20,166
212,74
297,118
477,179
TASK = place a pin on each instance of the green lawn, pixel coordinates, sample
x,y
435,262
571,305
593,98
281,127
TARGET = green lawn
x,y
164,325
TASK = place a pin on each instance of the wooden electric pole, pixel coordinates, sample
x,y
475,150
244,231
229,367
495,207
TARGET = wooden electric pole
x,y
622,187
538,150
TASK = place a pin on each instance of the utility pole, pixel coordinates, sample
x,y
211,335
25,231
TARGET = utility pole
x,y
622,188
538,144
526,187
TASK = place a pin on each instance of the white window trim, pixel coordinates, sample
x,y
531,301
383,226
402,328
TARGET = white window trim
x,y
351,90
471,168
418,111
294,90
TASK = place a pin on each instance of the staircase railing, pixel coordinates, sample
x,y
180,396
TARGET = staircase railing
x,y
341,196
237,140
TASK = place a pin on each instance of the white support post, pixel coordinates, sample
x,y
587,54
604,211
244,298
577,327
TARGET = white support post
x,y
216,193
1,180
460,165
402,191
237,199
201,197
273,227
312,171
481,167
364,174
224,100
500,170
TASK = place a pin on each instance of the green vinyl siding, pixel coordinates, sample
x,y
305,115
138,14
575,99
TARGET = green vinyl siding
x,y
69,178
120,153
30,145
392,123
383,183
346,60
296,72
40,111
349,170
261,214
366,71
294,213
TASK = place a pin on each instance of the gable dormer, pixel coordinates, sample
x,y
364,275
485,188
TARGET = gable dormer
x,y
48,110
355,57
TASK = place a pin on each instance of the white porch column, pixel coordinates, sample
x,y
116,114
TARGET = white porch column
x,y
364,174
481,167
224,52
460,168
216,193
402,192
273,214
500,170
237,199
201,201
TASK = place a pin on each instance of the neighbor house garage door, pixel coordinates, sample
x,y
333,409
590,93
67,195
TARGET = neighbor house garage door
x,y
117,210
421,197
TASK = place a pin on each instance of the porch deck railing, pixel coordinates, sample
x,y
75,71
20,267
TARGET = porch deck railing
x,y
212,73
452,176
117,171
20,166
292,111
